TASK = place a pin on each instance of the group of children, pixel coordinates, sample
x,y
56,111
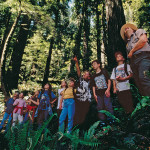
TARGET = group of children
x,y
38,105
74,101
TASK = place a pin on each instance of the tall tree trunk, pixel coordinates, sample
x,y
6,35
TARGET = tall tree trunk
x,y
2,69
115,19
105,40
86,34
46,73
18,52
5,34
57,20
98,31
76,49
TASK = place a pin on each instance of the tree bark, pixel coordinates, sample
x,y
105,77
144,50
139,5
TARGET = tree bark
x,y
46,73
18,52
57,21
86,34
76,49
115,19
5,34
2,72
98,31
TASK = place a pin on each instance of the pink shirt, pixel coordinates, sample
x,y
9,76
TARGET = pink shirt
x,y
21,103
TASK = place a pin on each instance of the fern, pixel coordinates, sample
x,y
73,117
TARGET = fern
x,y
75,141
91,131
103,132
38,133
110,115
145,101
22,136
88,138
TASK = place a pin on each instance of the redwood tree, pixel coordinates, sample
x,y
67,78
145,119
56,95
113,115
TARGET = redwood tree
x,y
115,19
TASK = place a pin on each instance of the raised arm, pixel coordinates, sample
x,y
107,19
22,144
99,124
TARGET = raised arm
x,y
77,66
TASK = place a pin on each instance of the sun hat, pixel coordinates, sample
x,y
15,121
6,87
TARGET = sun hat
x,y
132,26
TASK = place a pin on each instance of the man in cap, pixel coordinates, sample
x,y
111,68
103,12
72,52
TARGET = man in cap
x,y
138,51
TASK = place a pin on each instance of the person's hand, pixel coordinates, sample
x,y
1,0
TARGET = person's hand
x,y
75,59
61,93
60,106
95,96
30,100
121,79
130,54
107,93
115,90
52,105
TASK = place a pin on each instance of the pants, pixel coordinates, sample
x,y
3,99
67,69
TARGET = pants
x,y
66,120
42,116
104,103
82,108
125,100
26,117
141,70
68,109
16,117
5,117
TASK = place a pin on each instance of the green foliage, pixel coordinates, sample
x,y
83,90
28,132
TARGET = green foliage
x,y
88,139
109,115
137,12
145,101
73,28
36,135
110,136
23,137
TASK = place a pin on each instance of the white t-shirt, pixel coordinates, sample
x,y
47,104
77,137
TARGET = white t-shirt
x,y
83,90
121,86
59,97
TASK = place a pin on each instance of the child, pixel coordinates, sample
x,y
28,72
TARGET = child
x,y
63,87
68,96
8,111
31,107
83,95
45,99
19,104
101,89
120,76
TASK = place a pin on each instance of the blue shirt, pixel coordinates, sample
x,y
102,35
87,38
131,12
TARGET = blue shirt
x,y
45,100
9,105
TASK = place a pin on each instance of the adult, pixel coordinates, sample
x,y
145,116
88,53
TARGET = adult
x,y
138,51
83,95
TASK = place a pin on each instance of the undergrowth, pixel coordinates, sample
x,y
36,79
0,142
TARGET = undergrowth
x,y
125,132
